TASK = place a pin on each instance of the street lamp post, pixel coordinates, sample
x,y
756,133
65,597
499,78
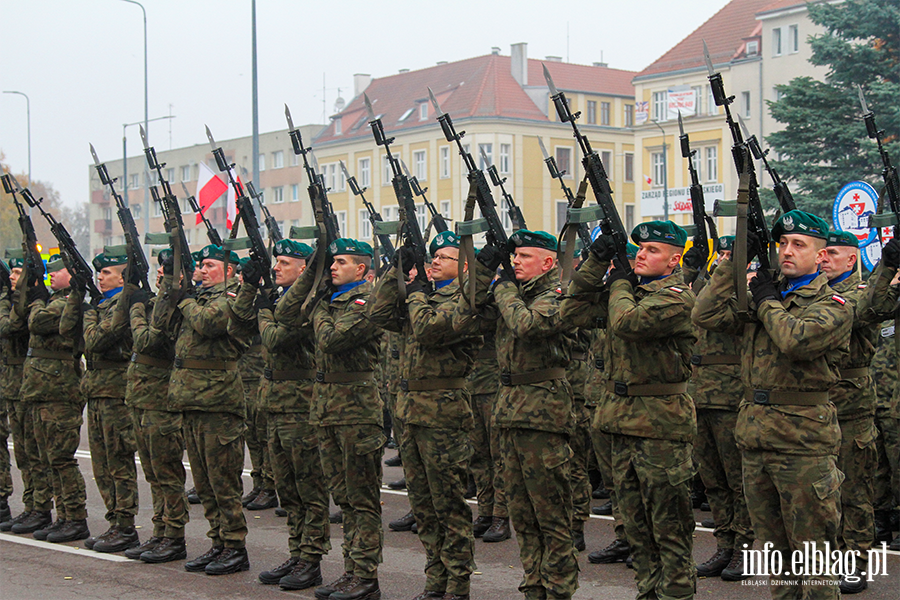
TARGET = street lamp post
x,y
146,119
665,173
28,114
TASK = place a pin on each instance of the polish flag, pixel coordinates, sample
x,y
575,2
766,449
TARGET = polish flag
x,y
209,188
231,202
647,179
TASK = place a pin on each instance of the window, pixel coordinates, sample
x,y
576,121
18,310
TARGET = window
x,y
278,159
386,174
752,48
295,159
659,106
793,39
423,111
365,172
365,226
698,99
136,211
295,192
186,173
390,213
629,217
711,107
606,159
698,163
340,180
776,41
592,112
445,209
629,115
562,208
504,158
485,150
712,163
342,221
157,211
656,160
629,166
262,162
338,126
745,105
170,175
445,162
422,216
135,182
564,161
277,195
421,169
604,113
405,115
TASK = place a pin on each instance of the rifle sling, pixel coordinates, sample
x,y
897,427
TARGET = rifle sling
x,y
570,230
740,245
320,245
467,249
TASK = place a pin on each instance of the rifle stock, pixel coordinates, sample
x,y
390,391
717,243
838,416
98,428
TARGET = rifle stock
x,y
34,264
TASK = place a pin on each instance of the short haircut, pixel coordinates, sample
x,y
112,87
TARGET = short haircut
x,y
361,260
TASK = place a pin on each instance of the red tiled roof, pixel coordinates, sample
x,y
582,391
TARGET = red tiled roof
x,y
724,33
781,5
482,86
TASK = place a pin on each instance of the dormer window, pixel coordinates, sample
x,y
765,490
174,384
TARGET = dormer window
x,y
405,115
752,48
338,126
423,111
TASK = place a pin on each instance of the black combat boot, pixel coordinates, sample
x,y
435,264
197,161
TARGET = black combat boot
x,y
192,496
341,583
429,595
70,531
199,563
169,549
265,499
336,517
89,543
716,563
404,523
578,535
7,525
618,551
250,496
230,560
5,513
498,532
361,589
882,526
37,519
304,575
853,584
273,576
42,533
604,509
735,569
135,553
123,539
400,484
394,461
481,525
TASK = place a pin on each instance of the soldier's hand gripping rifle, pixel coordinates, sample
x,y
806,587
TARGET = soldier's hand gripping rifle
x,y
138,267
584,233
409,222
512,209
34,264
271,224
438,223
258,250
212,234
888,171
702,221
384,240
495,235
610,222
782,192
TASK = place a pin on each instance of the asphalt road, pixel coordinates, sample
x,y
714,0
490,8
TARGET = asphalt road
x,y
33,570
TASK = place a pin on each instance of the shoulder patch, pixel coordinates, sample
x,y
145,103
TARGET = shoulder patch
x,y
838,299
861,286
559,290
676,289
360,301
231,294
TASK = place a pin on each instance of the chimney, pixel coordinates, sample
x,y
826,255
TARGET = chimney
x,y
519,62
495,50
600,64
403,71
441,62
360,82
551,58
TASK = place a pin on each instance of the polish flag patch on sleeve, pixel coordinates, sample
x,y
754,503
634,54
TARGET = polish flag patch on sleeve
x,y
676,289
231,294
838,299
360,301
559,290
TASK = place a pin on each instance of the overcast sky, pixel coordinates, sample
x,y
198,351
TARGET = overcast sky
x,y
81,62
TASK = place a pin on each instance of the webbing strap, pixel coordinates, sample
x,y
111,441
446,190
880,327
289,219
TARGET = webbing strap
x,y
570,229
467,249
740,243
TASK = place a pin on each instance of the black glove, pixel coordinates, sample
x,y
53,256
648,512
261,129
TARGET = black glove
x,y
505,276
252,272
37,292
763,287
491,257
603,248
133,276
407,256
694,258
622,272
890,254
138,296
5,283
414,286
168,265
263,301
754,246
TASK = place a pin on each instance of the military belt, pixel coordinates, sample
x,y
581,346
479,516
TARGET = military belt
x,y
767,397
39,353
579,356
10,360
151,361
699,360
344,377
106,365
211,365
620,388
599,364
434,384
486,353
855,373
530,377
289,375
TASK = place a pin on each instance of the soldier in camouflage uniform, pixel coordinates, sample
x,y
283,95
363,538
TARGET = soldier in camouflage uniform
x,y
787,428
433,405
206,385
8,374
649,337
884,372
577,373
107,337
346,409
534,409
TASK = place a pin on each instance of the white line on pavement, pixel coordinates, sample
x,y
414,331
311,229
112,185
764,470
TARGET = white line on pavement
x,y
7,537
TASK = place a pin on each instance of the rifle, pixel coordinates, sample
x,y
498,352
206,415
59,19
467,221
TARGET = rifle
x,y
437,219
137,260
374,217
495,235
888,171
698,205
782,192
212,233
610,223
258,250
584,233
34,264
515,215
271,224
409,222
756,220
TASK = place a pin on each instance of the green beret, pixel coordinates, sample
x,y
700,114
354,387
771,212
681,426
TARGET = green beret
x,y
196,256
349,246
664,232
632,251
531,239
164,255
800,223
101,261
55,263
725,242
843,238
445,239
16,263
293,249
213,252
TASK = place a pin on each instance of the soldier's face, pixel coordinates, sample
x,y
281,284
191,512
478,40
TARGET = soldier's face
x,y
344,269
800,255
529,263
287,269
838,260
655,259
724,255
444,265
14,275
109,278
159,275
197,277
212,272
59,280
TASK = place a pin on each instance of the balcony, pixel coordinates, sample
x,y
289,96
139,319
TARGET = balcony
x,y
103,226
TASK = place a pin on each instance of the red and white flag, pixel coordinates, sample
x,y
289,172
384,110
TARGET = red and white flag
x,y
647,179
209,188
231,202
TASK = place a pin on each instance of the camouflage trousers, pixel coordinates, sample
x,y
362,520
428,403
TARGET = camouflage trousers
x,y
602,443
57,433
111,437
6,487
300,481
256,437
719,462
435,462
580,442
21,427
486,464
215,449
858,460
536,467
160,444
653,480
887,474
351,459
794,499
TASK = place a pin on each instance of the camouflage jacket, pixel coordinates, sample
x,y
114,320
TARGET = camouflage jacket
x,y
387,369
715,386
431,349
107,339
649,338
346,342
792,345
148,385
531,336
485,375
205,335
854,397
578,370
884,365
13,347
253,363
51,379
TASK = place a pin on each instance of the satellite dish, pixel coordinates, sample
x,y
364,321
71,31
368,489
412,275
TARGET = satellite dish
x,y
339,104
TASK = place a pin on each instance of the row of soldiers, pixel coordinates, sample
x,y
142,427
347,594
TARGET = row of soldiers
x,y
605,365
